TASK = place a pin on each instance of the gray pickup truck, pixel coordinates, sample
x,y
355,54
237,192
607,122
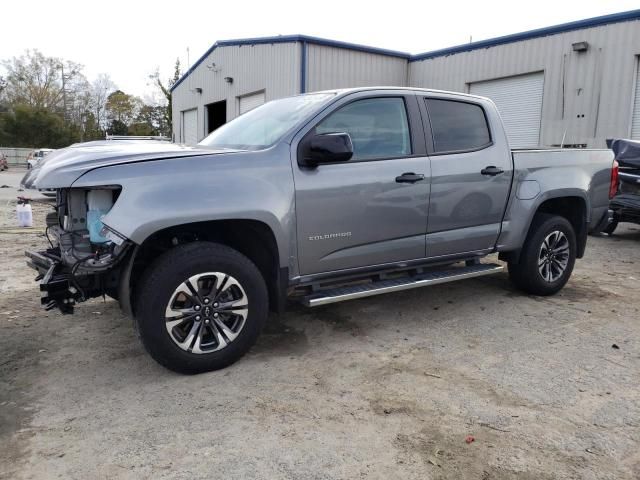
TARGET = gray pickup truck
x,y
318,198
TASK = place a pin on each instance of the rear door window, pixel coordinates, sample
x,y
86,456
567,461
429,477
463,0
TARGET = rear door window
x,y
457,126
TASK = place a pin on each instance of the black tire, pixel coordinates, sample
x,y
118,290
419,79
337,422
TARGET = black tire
x,y
611,227
158,286
526,274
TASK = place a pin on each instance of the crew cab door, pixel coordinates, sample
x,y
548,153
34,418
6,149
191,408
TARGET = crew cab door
x,y
364,212
471,173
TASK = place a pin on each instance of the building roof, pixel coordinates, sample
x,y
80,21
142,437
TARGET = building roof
x,y
292,39
539,32
467,47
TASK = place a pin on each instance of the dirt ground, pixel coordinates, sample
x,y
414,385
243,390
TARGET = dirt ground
x,y
386,387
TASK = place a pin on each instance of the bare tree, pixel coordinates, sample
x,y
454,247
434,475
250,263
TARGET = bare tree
x,y
40,82
101,88
166,90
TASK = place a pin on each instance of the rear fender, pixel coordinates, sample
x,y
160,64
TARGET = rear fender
x,y
517,223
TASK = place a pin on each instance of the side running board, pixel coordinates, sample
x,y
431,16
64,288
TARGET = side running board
x,y
340,294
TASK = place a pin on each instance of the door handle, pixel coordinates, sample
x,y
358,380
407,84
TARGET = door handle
x,y
409,177
491,170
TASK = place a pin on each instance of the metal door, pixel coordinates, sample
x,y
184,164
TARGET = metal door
x,y
519,101
190,127
635,117
251,101
361,212
471,171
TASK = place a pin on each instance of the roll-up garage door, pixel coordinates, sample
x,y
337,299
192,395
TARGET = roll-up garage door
x,y
190,126
251,101
635,119
519,100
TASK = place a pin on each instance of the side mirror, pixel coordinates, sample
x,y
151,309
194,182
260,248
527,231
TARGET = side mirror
x,y
327,148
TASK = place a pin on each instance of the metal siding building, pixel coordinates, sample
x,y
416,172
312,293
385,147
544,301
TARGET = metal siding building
x,y
272,68
330,67
241,72
548,91
587,95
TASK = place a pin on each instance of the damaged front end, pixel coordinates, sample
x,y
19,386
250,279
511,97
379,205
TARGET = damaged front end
x,y
85,255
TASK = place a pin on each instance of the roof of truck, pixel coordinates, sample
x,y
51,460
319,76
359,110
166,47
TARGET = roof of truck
x,y
342,91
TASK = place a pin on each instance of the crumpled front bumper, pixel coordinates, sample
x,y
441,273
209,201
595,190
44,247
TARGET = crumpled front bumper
x,y
56,280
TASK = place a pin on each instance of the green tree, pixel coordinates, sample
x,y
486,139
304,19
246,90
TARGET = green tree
x,y
39,92
121,107
117,127
26,126
141,128
154,117
92,129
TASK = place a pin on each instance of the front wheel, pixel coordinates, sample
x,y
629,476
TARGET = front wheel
x,y
200,307
547,257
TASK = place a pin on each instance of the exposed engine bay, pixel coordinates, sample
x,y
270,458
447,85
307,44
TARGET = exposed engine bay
x,y
80,264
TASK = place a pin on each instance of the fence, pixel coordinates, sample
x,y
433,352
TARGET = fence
x,y
16,156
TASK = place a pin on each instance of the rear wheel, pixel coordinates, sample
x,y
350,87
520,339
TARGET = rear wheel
x,y
201,307
547,257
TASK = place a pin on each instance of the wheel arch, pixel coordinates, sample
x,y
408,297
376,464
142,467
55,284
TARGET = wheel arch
x,y
252,238
573,206
575,210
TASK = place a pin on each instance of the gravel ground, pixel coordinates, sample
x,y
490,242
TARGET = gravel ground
x,y
388,387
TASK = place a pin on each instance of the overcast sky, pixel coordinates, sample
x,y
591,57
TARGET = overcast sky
x,y
130,39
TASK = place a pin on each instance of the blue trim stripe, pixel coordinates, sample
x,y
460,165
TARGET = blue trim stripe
x,y
303,68
540,32
516,37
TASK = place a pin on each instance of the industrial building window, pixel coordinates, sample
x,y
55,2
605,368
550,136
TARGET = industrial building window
x,y
378,127
457,126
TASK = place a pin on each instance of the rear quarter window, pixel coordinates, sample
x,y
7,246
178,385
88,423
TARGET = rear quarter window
x,y
457,126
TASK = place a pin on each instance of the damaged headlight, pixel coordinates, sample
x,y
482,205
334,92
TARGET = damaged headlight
x,y
111,235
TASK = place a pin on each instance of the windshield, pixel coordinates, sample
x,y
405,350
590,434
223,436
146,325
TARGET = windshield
x,y
263,126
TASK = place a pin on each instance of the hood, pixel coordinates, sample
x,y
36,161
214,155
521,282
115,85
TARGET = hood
x,y
63,167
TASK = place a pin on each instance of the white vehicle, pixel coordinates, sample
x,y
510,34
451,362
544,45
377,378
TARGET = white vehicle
x,y
37,155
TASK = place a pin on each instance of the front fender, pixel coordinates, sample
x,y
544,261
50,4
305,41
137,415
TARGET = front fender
x,y
166,193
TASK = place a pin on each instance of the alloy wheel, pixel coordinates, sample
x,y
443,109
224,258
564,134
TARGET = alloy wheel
x,y
553,257
206,312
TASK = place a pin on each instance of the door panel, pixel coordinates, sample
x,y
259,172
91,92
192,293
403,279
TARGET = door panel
x,y
355,213
462,240
465,206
